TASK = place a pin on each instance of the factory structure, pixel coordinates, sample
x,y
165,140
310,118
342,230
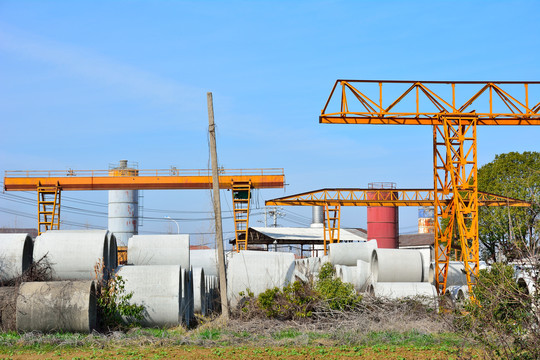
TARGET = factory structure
x,y
174,281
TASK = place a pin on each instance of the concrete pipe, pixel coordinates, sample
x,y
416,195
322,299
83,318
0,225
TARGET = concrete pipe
x,y
73,254
206,259
397,265
112,247
257,271
8,306
15,255
429,274
199,291
456,273
526,282
348,253
400,290
159,250
364,277
57,306
187,302
158,288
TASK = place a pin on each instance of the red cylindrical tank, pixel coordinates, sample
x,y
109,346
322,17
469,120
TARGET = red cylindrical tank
x,y
383,221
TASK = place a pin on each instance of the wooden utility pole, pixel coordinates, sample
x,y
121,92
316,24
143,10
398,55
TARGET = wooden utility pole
x,y
217,209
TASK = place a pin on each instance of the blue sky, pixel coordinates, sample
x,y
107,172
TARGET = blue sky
x,y
87,83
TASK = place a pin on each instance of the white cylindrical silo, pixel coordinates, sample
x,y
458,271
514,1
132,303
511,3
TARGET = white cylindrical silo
x,y
123,206
15,255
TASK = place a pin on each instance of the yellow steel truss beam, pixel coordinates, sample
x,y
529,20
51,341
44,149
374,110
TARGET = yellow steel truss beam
x,y
170,179
48,208
241,197
492,102
385,197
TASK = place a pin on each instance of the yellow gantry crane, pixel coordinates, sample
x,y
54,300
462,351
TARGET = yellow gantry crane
x,y
50,184
454,109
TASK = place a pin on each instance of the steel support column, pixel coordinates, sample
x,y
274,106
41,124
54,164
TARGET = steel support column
x,y
455,176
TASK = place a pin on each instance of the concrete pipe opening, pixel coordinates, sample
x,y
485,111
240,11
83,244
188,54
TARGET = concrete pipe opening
x,y
16,252
397,265
57,306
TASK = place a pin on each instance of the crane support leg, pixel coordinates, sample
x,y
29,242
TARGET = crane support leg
x,y
332,224
48,208
455,175
241,193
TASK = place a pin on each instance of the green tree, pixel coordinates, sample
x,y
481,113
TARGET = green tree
x,y
510,230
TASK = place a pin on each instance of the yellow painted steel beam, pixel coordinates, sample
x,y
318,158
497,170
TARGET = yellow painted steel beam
x,y
145,180
384,197
489,102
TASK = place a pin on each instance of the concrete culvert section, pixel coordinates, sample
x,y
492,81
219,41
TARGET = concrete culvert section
x,y
206,259
57,306
397,265
73,254
456,273
8,306
157,288
113,251
257,271
199,291
349,253
16,251
159,250
399,290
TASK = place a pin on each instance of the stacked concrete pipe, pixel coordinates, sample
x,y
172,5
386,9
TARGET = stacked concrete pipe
x,y
8,307
57,306
206,259
212,295
159,289
398,290
199,291
349,253
159,250
73,254
257,271
187,303
397,265
16,251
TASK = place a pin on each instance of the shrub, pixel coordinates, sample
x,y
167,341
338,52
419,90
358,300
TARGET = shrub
x,y
502,316
114,305
337,294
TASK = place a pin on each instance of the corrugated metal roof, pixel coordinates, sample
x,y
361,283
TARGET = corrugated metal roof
x,y
308,234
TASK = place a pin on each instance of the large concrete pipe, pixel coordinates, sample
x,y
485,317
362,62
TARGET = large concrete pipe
x,y
206,259
348,274
211,294
158,288
57,306
159,250
8,306
199,291
399,290
257,271
187,303
112,247
15,255
363,276
73,254
429,274
397,265
348,253
456,273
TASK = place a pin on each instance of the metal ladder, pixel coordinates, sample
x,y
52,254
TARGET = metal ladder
x,y
241,194
332,224
48,208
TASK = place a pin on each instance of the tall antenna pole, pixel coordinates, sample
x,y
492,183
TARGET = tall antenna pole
x,y
217,209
